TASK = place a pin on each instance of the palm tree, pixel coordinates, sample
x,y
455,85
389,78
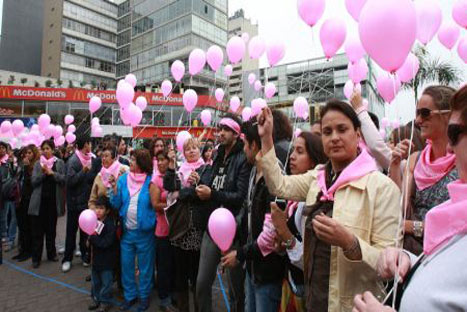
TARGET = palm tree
x,y
432,70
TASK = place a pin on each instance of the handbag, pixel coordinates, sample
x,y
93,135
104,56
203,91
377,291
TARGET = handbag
x,y
179,216
10,187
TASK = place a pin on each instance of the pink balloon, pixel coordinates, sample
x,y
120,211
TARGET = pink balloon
x,y
388,86
228,70
17,127
50,130
58,131
462,49
134,115
256,47
69,119
166,87
120,82
234,103
196,61
131,79
88,221
5,126
428,19
395,124
206,117
300,107
358,71
385,122
310,11
251,78
258,85
246,113
43,121
222,227
297,132
190,99
353,47
178,70
35,128
182,136
354,7
94,104
275,52
350,87
98,132
269,90
219,93
382,132
245,37
332,35
59,141
95,121
141,102
125,94
409,69
448,34
235,49
215,57
124,116
387,31
71,128
69,137
257,105
459,13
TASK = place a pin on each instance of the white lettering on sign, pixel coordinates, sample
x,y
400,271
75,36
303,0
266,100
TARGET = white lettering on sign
x,y
38,93
170,99
103,96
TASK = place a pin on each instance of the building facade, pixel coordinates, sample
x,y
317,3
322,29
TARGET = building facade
x,y
152,34
80,41
21,36
238,81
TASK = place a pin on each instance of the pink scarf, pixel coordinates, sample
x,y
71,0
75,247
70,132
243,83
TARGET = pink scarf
x,y
267,237
155,169
428,173
113,170
4,159
135,182
49,163
186,168
446,220
360,167
85,159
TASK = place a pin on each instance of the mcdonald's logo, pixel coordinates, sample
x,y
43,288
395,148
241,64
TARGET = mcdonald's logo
x,y
79,95
5,92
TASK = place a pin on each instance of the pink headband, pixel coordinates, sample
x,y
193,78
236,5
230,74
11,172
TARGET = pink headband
x,y
232,124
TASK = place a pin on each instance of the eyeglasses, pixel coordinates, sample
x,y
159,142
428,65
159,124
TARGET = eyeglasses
x,y
454,132
426,112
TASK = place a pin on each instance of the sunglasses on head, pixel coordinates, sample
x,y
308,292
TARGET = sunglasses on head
x,y
454,132
426,112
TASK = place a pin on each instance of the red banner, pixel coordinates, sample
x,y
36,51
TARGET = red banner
x,y
84,95
169,132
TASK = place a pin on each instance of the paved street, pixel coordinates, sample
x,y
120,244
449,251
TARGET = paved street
x,y
47,289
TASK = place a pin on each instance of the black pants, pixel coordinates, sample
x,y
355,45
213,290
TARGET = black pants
x,y
44,225
24,227
165,269
70,242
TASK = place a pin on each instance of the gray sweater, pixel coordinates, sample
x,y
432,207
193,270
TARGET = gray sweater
x,y
36,181
440,282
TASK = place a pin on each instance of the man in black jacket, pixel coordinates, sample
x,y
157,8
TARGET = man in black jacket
x,y
265,267
227,188
79,178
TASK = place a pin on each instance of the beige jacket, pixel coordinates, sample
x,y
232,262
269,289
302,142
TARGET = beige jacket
x,y
99,189
368,207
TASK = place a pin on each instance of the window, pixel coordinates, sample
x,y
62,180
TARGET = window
x,y
89,63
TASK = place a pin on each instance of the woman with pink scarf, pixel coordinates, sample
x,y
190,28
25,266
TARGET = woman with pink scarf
x,y
432,169
47,202
437,280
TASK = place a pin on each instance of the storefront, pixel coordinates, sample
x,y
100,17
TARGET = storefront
x,y
163,117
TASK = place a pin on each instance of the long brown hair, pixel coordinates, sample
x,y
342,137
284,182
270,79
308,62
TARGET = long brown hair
x,y
35,152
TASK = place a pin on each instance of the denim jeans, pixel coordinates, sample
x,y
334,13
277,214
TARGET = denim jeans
x,y
8,221
262,298
102,281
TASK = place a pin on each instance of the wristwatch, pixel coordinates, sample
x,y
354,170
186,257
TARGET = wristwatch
x,y
417,227
290,243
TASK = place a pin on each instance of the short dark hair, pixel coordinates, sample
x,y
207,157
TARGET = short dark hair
x,y
104,201
314,147
82,140
375,119
163,154
250,131
283,129
459,103
344,108
153,143
234,118
50,143
4,144
112,149
143,160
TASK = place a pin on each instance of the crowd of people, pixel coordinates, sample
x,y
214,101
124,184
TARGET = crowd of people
x,y
334,219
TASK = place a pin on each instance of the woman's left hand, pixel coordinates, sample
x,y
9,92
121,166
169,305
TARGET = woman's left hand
x,y
332,232
368,303
230,259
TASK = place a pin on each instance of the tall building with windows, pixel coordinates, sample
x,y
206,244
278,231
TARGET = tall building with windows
x,y
80,41
238,81
152,34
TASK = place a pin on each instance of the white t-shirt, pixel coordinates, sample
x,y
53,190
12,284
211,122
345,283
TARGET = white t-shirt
x,y
132,213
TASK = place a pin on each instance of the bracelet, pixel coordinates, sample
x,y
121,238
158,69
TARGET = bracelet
x,y
353,248
417,227
361,109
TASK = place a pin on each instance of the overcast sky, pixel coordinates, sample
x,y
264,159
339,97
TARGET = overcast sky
x,y
278,19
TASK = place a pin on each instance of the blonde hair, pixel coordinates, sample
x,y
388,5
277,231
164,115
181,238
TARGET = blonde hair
x,y
191,142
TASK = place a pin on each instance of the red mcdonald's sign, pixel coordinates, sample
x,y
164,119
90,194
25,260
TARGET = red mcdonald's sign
x,y
169,132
